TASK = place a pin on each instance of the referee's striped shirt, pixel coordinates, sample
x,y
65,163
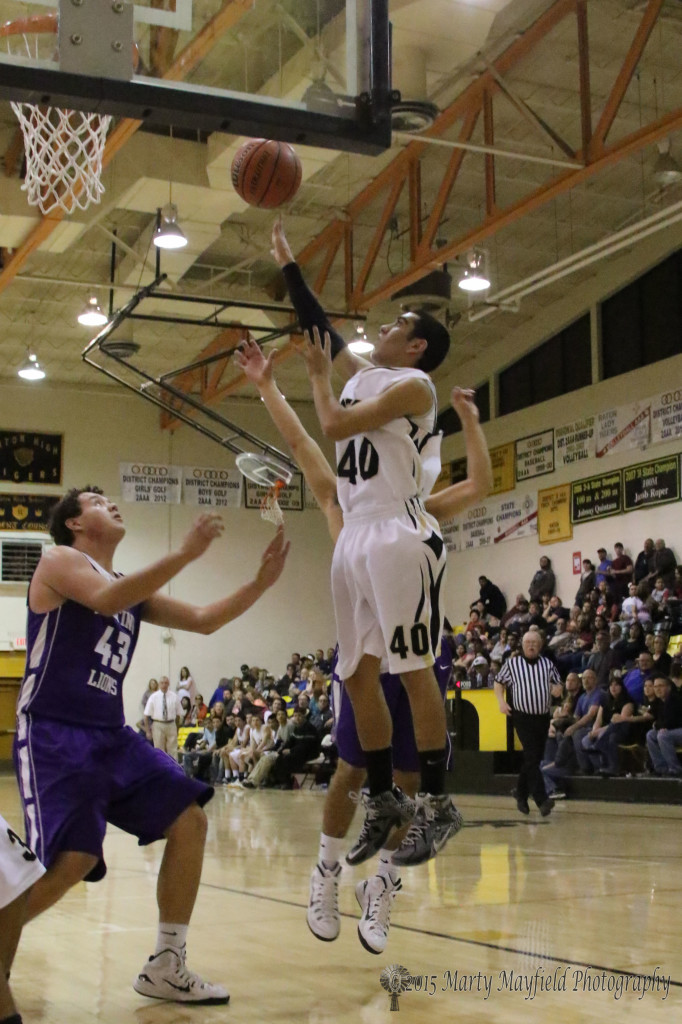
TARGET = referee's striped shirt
x,y
530,683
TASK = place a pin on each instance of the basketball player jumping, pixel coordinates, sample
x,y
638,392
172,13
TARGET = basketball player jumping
x,y
389,562
377,893
78,766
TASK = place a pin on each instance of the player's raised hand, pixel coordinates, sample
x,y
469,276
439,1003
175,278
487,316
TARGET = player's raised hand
x,y
281,250
205,529
272,562
317,354
253,364
464,403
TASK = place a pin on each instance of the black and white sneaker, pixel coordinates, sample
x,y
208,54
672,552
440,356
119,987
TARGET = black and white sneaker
x,y
166,976
323,917
384,812
375,897
437,820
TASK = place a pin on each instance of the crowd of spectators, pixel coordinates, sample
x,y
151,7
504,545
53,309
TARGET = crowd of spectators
x,y
622,688
256,730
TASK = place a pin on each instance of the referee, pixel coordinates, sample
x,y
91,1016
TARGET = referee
x,y
530,681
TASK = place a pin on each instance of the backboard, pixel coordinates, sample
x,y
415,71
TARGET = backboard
x,y
316,72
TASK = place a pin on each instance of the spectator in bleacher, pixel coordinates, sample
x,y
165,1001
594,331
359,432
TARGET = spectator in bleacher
x,y
666,733
535,612
634,679
608,607
582,640
617,643
324,664
276,704
237,749
493,599
223,734
662,661
561,640
500,649
197,761
612,728
199,708
569,752
478,672
302,681
586,582
323,718
634,643
475,623
644,563
620,572
302,745
519,620
185,716
601,660
602,575
633,608
563,715
665,564
543,581
287,679
554,611
186,685
658,598
152,687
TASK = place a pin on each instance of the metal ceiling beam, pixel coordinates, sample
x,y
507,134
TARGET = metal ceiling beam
x,y
228,15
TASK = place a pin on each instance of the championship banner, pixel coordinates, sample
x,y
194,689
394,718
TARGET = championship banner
x,y
477,528
452,534
651,483
623,429
218,488
515,517
27,457
666,416
554,514
502,462
575,442
290,498
146,482
535,455
26,511
597,497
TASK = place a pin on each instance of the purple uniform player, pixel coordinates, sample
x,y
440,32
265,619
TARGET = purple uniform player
x,y
405,753
79,766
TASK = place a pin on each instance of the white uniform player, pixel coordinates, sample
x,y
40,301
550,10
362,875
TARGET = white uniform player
x,y
389,562
19,866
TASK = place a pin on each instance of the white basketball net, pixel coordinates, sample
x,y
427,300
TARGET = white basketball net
x,y
270,509
63,156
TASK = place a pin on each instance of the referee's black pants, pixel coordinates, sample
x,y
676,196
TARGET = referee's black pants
x,y
532,732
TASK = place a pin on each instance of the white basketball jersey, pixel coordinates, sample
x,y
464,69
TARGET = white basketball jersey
x,y
384,468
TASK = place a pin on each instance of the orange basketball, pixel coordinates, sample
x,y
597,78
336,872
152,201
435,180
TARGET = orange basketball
x,y
266,173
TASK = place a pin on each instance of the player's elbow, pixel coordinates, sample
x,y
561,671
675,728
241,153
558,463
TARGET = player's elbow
x,y
336,429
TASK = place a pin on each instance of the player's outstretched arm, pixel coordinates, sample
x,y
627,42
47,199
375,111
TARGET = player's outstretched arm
x,y
307,453
308,309
64,574
479,481
408,398
167,611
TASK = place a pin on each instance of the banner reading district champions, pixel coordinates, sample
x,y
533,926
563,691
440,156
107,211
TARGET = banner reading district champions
x,y
154,484
494,522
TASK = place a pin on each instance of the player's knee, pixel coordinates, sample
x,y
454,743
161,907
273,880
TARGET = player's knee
x,y
348,777
73,867
191,826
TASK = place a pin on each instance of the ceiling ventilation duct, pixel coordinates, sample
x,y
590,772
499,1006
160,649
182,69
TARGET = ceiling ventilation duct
x,y
412,113
430,293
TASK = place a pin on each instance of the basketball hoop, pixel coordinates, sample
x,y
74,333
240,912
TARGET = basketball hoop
x,y
63,148
267,472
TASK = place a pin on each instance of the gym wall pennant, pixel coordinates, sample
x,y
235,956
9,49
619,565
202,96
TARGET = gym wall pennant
x,y
30,457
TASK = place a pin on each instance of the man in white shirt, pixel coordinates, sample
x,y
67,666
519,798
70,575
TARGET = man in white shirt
x,y
161,718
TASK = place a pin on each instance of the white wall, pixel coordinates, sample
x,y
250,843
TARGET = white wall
x,y
511,565
102,427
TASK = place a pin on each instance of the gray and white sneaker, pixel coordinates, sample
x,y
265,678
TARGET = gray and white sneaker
x,y
437,820
166,976
386,811
375,897
323,917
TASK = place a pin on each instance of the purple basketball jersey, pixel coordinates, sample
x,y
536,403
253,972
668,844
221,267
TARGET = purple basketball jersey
x,y
76,661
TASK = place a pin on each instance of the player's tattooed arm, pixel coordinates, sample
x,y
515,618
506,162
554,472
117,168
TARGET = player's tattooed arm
x,y
479,479
407,398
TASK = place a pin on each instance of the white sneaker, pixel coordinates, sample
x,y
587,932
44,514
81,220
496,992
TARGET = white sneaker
x,y
375,897
166,976
324,919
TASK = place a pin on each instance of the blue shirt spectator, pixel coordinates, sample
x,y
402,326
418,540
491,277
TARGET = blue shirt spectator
x,y
634,680
602,574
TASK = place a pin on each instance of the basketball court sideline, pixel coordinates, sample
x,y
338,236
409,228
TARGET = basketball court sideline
x,y
508,901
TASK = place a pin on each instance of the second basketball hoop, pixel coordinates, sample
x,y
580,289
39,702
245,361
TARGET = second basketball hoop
x,y
267,472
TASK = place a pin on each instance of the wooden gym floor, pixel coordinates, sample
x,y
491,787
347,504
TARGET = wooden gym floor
x,y
587,901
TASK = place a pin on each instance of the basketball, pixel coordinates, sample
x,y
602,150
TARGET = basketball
x,y
266,173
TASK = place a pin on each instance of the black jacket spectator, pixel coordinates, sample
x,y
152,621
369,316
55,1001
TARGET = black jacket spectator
x,y
492,597
664,564
543,581
644,563
587,582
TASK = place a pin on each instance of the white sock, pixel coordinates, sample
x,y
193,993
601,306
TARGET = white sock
x,y
171,936
331,850
386,867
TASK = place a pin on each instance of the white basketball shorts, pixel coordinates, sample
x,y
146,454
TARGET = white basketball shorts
x,y
19,866
387,578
